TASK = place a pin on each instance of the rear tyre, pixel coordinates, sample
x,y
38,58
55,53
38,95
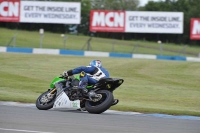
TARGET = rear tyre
x,y
45,105
102,105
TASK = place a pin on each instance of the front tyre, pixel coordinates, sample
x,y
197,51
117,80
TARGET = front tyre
x,y
102,105
45,101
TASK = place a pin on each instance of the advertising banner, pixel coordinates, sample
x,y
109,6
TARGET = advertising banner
x,y
154,22
50,12
195,29
136,21
107,21
9,10
40,12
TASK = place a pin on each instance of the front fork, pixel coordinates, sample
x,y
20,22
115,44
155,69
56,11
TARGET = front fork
x,y
53,91
51,94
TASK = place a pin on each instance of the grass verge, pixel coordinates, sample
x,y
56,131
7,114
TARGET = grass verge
x,y
153,86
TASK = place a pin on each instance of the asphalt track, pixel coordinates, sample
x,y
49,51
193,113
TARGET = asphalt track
x,y
28,119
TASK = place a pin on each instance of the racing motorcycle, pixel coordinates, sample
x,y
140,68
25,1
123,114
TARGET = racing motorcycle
x,y
64,93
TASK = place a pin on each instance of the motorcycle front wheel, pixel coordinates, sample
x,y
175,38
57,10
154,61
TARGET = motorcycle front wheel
x,y
44,102
102,105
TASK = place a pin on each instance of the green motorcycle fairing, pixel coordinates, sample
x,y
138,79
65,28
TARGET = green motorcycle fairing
x,y
58,79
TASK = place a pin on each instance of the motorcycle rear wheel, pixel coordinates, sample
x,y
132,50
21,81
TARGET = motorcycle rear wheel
x,y
45,106
102,105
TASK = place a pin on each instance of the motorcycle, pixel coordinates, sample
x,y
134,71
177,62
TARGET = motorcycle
x,y
64,93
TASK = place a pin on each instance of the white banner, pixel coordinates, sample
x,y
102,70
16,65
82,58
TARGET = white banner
x,y
154,22
50,12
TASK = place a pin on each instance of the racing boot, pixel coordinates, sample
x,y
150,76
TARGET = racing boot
x,y
82,106
115,102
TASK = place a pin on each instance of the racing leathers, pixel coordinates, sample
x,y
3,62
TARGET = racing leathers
x,y
92,76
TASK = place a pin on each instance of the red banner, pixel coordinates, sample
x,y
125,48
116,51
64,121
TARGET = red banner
x,y
9,10
107,21
195,29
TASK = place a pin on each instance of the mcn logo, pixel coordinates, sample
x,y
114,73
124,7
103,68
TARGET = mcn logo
x,y
9,10
195,29
107,21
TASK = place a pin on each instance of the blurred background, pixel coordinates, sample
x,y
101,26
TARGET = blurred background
x,y
79,36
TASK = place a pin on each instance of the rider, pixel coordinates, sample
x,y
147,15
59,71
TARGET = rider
x,y
90,75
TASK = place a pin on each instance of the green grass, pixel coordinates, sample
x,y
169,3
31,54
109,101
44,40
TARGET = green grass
x,y
31,39
153,86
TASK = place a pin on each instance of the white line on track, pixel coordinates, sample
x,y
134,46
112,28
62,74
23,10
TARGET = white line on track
x,y
25,131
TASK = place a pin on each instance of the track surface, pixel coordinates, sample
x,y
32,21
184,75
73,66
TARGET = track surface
x,y
15,119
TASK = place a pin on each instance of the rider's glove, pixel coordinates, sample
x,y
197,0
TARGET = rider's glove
x,y
65,74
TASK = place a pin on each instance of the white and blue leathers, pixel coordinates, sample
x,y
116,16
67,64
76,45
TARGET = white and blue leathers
x,y
93,74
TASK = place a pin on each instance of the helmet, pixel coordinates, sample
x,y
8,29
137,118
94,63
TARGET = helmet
x,y
96,63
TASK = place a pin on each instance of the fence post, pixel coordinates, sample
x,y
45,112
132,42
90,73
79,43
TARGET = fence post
x,y
161,47
41,39
88,44
64,40
41,31
14,40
